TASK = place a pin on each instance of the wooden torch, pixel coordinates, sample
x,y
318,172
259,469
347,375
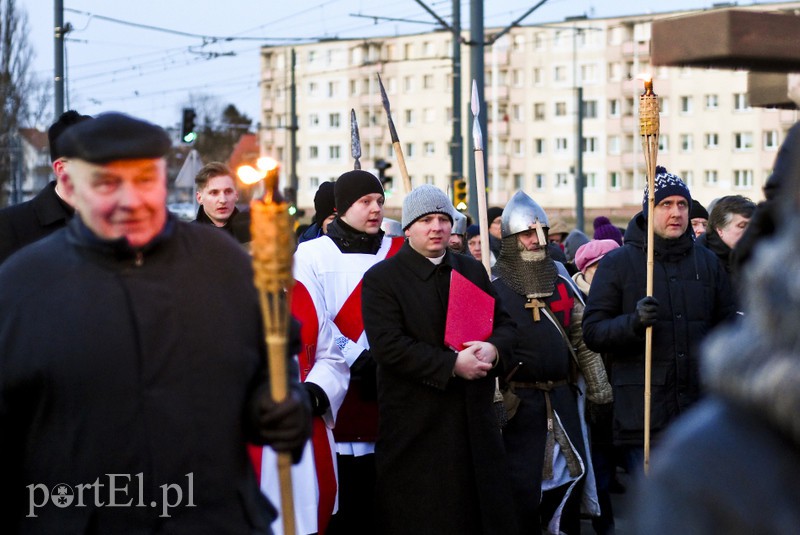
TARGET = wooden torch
x,y
272,248
649,128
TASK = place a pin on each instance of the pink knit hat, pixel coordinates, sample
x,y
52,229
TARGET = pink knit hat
x,y
592,252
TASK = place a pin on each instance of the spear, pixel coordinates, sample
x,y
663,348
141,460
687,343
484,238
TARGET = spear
x,y
649,128
355,140
272,247
480,180
398,150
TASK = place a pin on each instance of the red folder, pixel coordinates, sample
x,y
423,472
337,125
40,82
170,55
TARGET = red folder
x,y
470,313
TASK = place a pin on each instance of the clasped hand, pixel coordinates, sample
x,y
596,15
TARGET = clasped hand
x,y
475,360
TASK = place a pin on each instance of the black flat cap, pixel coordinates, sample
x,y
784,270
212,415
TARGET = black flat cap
x,y
113,136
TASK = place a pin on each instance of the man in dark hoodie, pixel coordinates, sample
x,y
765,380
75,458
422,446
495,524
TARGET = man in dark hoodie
x,y
692,294
217,196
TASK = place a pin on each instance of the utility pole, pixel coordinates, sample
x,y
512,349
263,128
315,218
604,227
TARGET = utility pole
x,y
476,38
579,221
60,32
457,142
293,126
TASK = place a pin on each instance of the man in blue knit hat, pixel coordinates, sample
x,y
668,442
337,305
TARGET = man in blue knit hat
x,y
691,295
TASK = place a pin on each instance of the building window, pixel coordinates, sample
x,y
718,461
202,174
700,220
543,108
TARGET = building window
x,y
770,139
353,87
562,180
663,143
408,84
313,89
409,117
742,141
428,179
686,105
334,152
687,142
560,73
538,145
538,111
333,89
428,115
741,102
590,145
518,147
313,182
712,101
429,148
334,120
409,150
538,180
427,81
561,109
590,180
518,77
561,144
518,181
516,113
590,109
538,76
711,177
313,152
615,71
588,73
743,178
614,181
711,140
613,107
313,119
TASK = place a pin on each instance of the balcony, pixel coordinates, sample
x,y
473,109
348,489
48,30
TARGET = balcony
x,y
640,49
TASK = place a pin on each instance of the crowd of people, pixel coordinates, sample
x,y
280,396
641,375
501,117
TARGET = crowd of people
x,y
132,345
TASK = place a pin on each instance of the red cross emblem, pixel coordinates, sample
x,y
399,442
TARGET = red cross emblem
x,y
564,304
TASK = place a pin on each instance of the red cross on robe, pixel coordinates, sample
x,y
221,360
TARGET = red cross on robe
x,y
564,303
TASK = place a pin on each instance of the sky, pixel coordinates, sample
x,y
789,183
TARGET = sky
x,y
150,58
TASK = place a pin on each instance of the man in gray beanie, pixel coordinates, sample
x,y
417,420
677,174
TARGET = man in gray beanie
x,y
439,452
691,296
122,384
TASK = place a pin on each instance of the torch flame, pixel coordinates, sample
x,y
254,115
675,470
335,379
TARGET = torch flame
x,y
249,175
265,163
648,83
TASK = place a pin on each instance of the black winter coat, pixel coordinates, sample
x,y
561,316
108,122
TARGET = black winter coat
x,y
440,460
32,220
121,361
694,295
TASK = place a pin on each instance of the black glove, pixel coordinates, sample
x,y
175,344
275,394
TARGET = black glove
x,y
646,313
364,371
286,425
319,399
599,414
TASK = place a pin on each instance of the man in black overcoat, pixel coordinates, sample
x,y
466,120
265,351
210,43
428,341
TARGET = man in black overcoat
x,y
47,212
132,360
440,459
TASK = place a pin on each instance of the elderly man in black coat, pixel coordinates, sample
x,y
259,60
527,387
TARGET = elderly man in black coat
x,y
692,295
132,360
440,459
47,212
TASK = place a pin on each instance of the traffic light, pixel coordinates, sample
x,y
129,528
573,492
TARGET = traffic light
x,y
460,194
188,133
382,165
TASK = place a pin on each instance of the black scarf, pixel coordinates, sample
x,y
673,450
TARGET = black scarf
x,y
350,240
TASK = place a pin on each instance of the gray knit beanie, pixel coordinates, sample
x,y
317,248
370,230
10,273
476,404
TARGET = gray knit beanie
x,y
423,200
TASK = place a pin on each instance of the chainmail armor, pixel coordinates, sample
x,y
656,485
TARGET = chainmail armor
x,y
531,278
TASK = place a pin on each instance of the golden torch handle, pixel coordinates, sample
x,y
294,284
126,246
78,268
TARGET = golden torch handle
x,y
272,249
649,128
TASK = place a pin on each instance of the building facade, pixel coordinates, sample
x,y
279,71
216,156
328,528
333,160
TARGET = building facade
x,y
710,135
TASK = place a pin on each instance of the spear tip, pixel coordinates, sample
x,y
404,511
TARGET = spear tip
x,y
476,106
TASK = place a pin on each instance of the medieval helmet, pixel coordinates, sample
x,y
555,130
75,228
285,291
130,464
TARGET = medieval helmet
x,y
459,223
522,213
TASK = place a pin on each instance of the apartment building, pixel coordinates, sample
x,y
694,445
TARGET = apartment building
x,y
709,134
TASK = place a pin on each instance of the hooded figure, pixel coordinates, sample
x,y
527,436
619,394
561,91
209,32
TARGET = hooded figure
x,y
546,439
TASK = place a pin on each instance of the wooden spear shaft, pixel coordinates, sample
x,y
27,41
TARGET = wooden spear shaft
x,y
272,249
649,128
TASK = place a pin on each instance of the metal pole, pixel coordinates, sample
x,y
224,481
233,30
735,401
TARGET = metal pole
x,y
477,71
59,57
293,127
579,222
457,142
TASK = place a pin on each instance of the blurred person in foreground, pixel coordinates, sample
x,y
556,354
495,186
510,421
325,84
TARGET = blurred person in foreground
x,y
122,393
